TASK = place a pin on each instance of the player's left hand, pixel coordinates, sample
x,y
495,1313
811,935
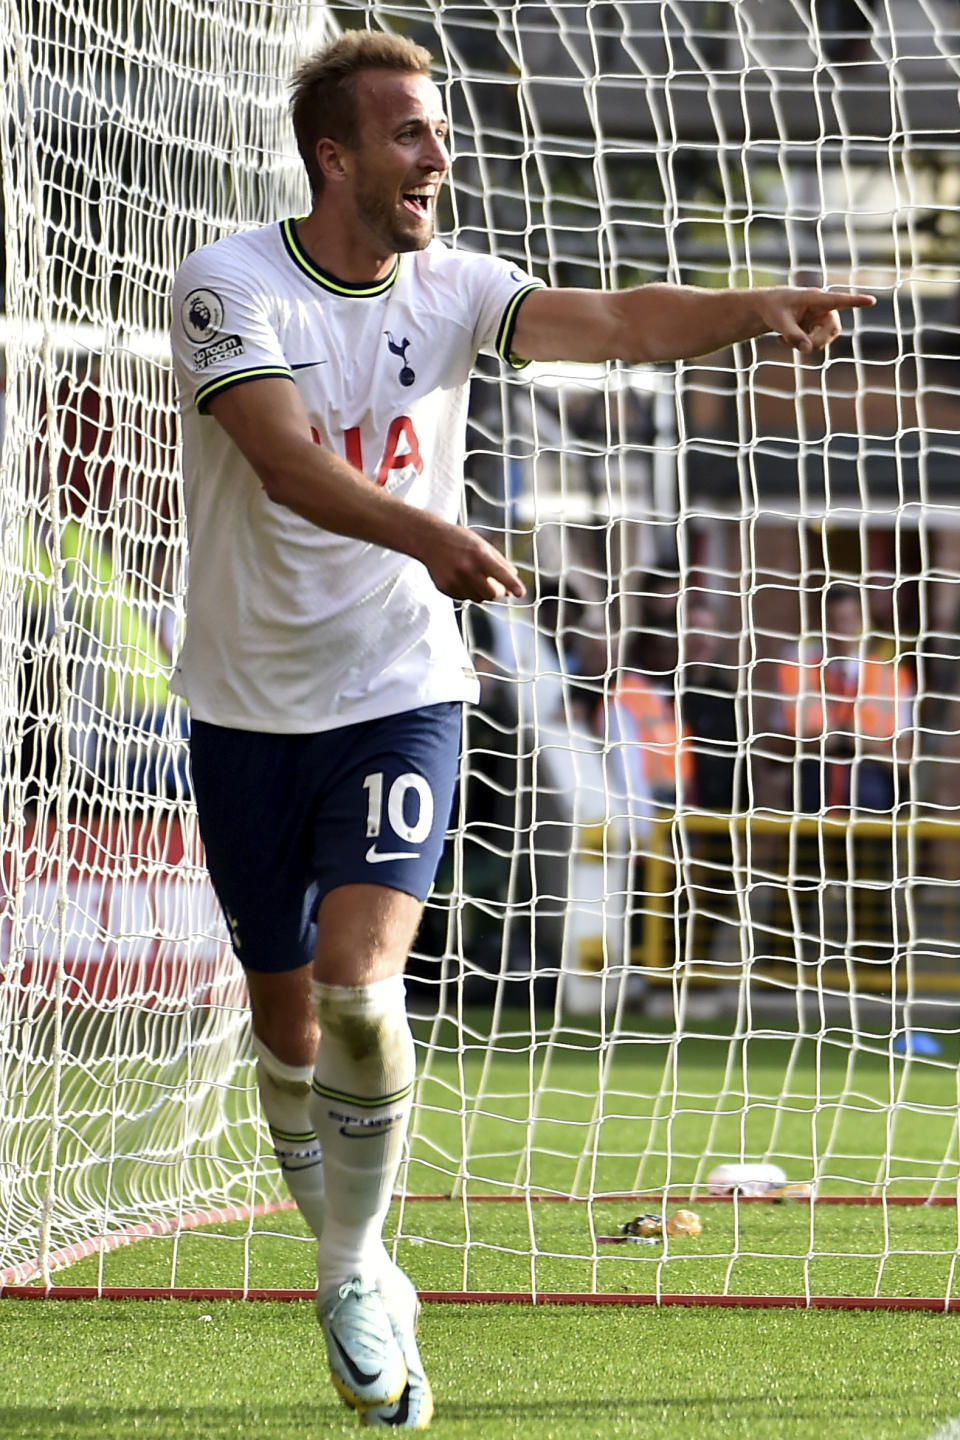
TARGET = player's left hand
x,y
808,319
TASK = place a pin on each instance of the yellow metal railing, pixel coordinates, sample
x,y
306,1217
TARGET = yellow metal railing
x,y
675,839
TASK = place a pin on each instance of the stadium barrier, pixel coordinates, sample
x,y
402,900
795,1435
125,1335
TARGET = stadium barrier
x,y
772,892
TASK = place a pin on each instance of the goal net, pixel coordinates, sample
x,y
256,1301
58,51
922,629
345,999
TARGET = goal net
x,y
698,907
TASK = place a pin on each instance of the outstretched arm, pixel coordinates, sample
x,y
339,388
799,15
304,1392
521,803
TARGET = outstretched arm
x,y
267,422
674,322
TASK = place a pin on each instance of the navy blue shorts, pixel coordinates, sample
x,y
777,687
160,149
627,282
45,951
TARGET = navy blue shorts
x,y
286,818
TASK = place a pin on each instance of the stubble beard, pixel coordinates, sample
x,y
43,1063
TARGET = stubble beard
x,y
382,220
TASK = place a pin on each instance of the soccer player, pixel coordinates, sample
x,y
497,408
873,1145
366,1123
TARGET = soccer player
x,y
323,365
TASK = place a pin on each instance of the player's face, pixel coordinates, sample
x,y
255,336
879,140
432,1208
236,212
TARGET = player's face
x,y
400,159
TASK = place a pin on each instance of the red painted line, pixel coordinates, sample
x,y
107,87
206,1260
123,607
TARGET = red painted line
x,y
512,1297
656,1197
145,1292
747,1302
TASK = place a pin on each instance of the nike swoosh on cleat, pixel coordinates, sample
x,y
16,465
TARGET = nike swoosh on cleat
x,y
376,857
358,1375
402,1412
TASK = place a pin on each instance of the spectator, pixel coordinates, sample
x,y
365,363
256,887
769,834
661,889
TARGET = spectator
x,y
117,704
849,721
521,707
708,706
891,627
683,718
658,592
646,711
536,769
849,714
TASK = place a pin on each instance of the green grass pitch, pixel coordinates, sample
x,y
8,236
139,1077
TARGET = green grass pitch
x,y
236,1371
224,1369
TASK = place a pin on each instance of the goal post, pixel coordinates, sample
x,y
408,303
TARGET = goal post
x,y
648,953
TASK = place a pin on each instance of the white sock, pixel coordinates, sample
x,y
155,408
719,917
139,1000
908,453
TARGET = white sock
x,y
285,1097
362,1094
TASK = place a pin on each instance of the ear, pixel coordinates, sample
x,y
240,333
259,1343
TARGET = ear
x,y
331,160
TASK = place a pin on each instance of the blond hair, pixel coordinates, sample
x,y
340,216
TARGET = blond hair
x,y
323,91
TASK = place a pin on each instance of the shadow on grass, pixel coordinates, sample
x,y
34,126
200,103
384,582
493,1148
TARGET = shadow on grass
x,y
629,1414
183,1422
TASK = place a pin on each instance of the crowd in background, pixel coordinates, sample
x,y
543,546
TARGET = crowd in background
x,y
843,724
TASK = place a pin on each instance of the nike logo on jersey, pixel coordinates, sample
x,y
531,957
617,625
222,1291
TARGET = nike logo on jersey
x,y
376,857
307,364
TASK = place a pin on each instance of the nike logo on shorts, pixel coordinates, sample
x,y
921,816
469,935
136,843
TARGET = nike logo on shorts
x,y
376,857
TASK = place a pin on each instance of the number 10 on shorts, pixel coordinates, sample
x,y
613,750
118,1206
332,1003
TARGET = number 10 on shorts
x,y
410,819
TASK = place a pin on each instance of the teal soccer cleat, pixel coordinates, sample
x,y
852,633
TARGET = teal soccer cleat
x,y
366,1361
414,1409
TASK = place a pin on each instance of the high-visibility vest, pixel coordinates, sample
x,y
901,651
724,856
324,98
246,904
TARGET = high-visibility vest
x,y
819,697
131,660
857,698
663,742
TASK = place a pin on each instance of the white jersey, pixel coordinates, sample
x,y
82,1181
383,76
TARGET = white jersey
x,y
291,628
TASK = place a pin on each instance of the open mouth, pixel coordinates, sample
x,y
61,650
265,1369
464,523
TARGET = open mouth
x,y
418,204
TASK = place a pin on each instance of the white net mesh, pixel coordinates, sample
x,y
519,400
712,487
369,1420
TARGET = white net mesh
x,y
127,141
657,942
